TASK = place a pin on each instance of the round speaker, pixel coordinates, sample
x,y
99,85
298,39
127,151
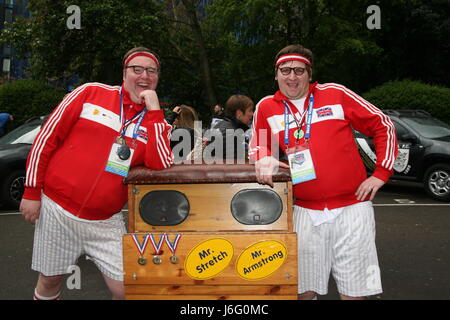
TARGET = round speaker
x,y
256,206
164,208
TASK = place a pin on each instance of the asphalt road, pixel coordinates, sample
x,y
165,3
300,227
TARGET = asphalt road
x,y
413,241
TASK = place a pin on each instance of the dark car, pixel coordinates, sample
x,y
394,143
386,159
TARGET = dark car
x,y
14,149
424,151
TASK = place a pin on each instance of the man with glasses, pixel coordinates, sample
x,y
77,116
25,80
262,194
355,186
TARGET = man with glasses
x,y
333,213
74,187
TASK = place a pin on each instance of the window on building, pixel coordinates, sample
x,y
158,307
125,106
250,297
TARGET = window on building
x,y
8,15
6,65
7,50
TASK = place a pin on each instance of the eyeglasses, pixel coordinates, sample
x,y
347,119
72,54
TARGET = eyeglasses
x,y
139,70
285,71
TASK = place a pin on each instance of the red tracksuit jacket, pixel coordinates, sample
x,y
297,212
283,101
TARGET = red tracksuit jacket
x,y
338,166
68,158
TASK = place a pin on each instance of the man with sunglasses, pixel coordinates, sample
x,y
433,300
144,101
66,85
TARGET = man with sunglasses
x,y
333,213
74,187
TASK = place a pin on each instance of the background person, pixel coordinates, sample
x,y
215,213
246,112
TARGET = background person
x,y
238,117
5,118
217,115
183,120
74,190
333,214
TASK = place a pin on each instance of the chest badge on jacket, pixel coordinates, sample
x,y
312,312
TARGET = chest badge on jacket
x,y
324,112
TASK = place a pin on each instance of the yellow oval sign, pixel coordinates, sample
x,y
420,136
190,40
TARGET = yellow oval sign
x,y
261,259
208,259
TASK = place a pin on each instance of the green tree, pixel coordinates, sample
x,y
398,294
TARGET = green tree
x,y
412,42
253,31
412,95
415,37
212,49
189,79
28,98
108,29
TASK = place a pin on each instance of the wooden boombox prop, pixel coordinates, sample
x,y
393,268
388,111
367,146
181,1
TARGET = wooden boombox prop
x,y
209,232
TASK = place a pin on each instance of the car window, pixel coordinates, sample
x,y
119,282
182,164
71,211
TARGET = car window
x,y
23,134
28,137
431,128
401,130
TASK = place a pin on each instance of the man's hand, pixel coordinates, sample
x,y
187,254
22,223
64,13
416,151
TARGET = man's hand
x,y
30,209
370,185
150,98
266,167
177,109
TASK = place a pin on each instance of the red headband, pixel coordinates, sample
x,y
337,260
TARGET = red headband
x,y
144,54
293,57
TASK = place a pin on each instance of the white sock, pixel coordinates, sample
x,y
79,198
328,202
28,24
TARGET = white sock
x,y
37,296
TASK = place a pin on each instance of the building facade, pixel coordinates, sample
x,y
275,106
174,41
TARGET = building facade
x,y
12,68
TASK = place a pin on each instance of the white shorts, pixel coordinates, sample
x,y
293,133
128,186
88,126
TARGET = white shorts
x,y
59,241
345,247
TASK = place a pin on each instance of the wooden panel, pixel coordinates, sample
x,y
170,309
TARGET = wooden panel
x,y
210,208
131,209
290,206
174,274
210,297
211,290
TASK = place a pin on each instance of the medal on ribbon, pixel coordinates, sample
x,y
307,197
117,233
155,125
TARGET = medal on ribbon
x,y
141,248
123,152
157,257
173,247
298,134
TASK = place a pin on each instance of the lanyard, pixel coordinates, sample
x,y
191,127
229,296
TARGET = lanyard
x,y
124,124
288,110
309,120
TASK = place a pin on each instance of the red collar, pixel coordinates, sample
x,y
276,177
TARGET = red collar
x,y
127,101
280,96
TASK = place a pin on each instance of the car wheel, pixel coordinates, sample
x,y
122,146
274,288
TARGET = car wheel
x,y
437,182
12,188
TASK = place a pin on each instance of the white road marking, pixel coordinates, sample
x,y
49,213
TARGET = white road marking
x,y
404,201
10,214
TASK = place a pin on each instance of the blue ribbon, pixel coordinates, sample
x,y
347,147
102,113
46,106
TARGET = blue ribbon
x,y
125,124
309,120
288,110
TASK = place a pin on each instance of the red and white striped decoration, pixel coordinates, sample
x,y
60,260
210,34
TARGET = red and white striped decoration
x,y
293,57
144,54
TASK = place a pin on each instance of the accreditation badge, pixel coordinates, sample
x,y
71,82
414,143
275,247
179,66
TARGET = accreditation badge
x,y
301,164
119,159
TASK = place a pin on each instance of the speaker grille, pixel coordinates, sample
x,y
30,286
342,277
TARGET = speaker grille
x,y
256,206
164,208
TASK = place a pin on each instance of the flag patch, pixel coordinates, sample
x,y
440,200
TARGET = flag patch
x,y
324,112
